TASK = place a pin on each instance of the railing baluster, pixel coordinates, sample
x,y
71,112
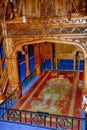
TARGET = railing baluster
x,y
25,117
8,114
20,116
50,121
44,120
2,114
31,118
78,124
56,122
11,99
72,125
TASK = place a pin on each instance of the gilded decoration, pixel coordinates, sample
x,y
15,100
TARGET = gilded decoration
x,y
80,42
48,31
42,8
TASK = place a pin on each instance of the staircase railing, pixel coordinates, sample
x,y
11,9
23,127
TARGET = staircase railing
x,y
4,83
10,101
26,81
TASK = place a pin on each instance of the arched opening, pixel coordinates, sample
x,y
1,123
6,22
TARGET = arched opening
x,y
61,81
52,55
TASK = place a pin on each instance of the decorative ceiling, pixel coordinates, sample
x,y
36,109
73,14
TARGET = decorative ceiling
x,y
48,19
42,8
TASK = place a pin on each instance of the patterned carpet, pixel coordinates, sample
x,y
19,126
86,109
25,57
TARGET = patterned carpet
x,y
55,92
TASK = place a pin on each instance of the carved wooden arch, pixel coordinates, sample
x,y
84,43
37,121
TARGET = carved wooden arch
x,y
19,46
13,67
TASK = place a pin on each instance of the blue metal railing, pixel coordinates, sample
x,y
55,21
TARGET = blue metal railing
x,y
26,81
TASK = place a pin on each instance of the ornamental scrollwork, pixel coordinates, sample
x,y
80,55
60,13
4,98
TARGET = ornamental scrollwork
x,y
49,31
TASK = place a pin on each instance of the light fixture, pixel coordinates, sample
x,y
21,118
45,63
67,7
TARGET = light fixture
x,y
24,19
11,1
84,20
77,21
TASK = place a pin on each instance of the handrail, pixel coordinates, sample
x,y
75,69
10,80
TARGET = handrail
x,y
5,82
41,119
68,66
4,78
63,66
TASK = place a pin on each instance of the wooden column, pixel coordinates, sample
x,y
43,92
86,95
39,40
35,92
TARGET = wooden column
x,y
11,63
74,66
2,96
13,75
78,62
27,61
37,59
17,81
56,63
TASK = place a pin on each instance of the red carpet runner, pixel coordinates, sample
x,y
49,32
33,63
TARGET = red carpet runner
x,y
56,93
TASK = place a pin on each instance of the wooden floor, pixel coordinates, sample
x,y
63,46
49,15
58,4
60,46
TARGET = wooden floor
x,y
55,92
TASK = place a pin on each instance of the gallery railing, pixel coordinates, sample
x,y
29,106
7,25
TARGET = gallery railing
x,y
41,119
70,66
64,66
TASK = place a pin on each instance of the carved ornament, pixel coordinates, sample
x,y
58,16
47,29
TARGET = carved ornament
x,y
48,31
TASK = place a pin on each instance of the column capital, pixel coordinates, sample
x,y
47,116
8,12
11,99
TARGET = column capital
x,y
26,49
